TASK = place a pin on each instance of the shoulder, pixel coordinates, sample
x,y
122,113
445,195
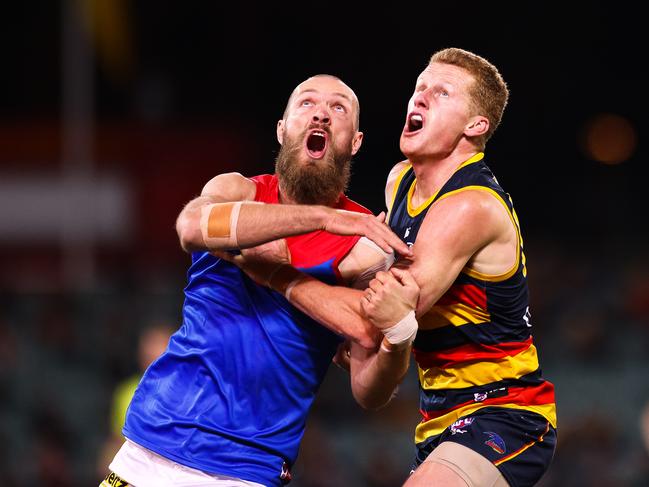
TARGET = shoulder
x,y
469,212
233,186
394,178
472,200
397,171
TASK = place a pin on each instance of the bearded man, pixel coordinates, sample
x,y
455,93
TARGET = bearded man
x,y
226,403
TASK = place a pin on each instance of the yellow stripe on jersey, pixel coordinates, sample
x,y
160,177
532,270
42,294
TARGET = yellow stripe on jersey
x,y
412,211
457,314
479,373
492,277
436,426
477,157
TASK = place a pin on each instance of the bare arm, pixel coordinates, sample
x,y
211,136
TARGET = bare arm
x,y
212,222
220,189
376,375
337,308
455,229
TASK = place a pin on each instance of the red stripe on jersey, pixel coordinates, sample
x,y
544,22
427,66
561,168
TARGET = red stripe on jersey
x,y
522,396
472,352
469,294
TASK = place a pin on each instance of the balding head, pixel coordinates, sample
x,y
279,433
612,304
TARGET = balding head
x,y
328,83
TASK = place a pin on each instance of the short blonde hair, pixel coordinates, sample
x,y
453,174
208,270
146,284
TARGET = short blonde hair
x,y
489,92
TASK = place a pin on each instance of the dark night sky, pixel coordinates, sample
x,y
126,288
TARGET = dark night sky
x,y
201,63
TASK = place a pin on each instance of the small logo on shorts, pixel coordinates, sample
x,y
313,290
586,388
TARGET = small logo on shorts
x,y
495,442
285,476
113,480
459,424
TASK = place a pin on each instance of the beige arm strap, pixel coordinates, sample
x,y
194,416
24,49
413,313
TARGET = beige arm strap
x,y
219,225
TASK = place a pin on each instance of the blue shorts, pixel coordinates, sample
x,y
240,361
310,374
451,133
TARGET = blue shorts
x,y
519,443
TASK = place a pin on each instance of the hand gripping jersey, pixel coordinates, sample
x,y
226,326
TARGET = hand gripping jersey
x,y
474,347
231,393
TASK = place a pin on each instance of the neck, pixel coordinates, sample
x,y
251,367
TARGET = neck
x,y
433,172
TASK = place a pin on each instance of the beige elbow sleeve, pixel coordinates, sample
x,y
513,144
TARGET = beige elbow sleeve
x,y
219,225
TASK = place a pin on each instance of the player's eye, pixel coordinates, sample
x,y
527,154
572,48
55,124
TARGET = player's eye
x,y
339,108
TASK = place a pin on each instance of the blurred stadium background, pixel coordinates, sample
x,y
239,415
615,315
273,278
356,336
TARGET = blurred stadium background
x,y
114,113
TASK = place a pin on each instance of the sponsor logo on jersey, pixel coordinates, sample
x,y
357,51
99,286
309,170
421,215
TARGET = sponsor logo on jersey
x,y
480,396
459,424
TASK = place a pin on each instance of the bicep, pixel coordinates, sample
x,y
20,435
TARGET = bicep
x,y
451,233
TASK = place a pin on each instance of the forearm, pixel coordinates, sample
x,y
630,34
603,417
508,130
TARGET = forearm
x,y
337,308
221,226
375,376
258,224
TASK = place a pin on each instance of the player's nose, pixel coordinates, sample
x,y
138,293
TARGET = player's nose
x,y
322,115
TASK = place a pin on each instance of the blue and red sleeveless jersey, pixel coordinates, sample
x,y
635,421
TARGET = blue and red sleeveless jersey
x,y
231,393
474,347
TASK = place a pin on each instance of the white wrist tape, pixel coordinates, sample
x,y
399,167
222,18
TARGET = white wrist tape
x,y
404,331
219,225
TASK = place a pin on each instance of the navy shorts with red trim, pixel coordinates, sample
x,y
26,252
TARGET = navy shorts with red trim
x,y
519,443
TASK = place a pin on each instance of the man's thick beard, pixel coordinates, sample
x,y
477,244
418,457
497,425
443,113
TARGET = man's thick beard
x,y
316,183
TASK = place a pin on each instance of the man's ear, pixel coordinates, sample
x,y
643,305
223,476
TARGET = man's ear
x,y
356,142
280,131
477,126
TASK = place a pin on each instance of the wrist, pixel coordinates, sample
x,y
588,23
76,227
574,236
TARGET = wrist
x,y
282,277
323,214
404,331
388,347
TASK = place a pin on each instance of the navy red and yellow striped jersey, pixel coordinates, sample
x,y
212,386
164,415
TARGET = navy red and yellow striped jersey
x,y
474,347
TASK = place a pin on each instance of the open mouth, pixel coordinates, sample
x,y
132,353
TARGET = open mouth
x,y
316,144
415,123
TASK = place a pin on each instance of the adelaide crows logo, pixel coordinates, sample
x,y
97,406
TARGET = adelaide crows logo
x,y
495,442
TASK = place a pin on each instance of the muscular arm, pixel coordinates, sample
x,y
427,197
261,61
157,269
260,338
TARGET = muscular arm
x,y
375,370
256,224
455,229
